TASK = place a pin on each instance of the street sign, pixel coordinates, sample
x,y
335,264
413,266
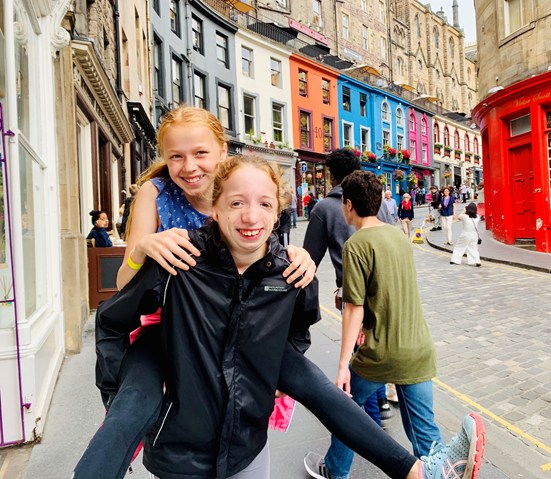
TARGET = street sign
x,y
303,167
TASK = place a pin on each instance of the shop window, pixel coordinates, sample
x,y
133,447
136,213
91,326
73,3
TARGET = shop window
x,y
520,125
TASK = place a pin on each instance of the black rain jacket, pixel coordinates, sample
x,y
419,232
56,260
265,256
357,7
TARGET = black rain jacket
x,y
223,336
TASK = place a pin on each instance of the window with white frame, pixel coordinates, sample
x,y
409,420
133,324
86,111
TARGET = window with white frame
x,y
399,117
305,119
249,114
224,106
436,133
400,66
345,19
158,66
365,139
363,5
475,146
399,142
199,90
177,93
456,140
386,137
385,111
197,34
317,19
222,49
413,150
277,122
467,143
446,136
423,127
247,62
347,134
365,37
424,153
275,71
513,15
175,16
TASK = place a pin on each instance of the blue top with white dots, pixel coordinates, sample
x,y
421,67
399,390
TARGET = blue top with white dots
x,y
174,209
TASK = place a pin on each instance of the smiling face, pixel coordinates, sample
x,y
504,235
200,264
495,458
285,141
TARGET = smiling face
x,y
246,211
191,154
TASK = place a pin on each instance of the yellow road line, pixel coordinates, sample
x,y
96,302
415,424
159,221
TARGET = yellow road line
x,y
331,313
498,419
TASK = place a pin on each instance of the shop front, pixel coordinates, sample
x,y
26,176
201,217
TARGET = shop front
x,y
516,144
311,177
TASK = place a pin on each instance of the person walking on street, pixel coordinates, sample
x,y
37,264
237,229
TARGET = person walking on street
x,y
294,211
468,239
405,213
435,205
447,213
390,204
305,201
398,348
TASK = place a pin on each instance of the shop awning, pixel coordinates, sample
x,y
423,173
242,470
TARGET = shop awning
x,y
432,99
405,86
240,6
371,70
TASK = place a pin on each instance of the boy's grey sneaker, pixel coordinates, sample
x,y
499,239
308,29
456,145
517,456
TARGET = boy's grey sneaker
x,y
385,410
315,466
461,458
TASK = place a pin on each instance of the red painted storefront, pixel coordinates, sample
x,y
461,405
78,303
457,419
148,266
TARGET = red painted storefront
x,y
516,142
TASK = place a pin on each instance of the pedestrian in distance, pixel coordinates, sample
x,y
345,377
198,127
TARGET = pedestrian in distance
x,y
377,263
447,213
294,211
468,239
99,233
435,205
406,214
283,225
312,202
390,204
305,203
175,196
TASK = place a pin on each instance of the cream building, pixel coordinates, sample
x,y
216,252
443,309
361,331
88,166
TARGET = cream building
x,y
264,100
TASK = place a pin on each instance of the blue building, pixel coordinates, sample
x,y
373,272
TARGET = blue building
x,y
374,122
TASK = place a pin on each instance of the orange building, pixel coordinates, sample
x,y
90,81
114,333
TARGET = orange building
x,y
315,123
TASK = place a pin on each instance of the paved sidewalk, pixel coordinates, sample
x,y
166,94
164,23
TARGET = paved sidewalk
x,y
490,249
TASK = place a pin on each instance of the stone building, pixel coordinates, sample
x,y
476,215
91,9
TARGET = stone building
x,y
514,115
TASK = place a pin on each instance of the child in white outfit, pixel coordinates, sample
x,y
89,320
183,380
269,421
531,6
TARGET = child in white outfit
x,y
468,240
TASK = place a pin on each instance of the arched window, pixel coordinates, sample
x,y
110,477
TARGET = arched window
x,y
468,73
398,37
417,26
451,47
412,122
400,66
435,38
385,111
419,64
424,126
476,146
467,142
436,132
437,73
456,140
446,136
399,117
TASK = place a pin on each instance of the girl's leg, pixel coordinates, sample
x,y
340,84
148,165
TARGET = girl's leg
x,y
258,469
305,382
133,411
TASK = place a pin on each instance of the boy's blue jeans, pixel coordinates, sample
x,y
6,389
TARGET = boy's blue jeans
x,y
417,418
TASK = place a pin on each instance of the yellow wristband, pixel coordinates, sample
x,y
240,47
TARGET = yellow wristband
x,y
132,265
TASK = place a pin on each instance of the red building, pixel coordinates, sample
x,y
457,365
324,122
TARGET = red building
x,y
516,144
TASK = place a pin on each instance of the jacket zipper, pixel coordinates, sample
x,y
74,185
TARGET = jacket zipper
x,y
162,424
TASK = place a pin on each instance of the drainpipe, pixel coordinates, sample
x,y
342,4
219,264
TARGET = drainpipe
x,y
116,15
389,41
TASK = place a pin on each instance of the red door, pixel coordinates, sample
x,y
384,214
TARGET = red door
x,y
523,199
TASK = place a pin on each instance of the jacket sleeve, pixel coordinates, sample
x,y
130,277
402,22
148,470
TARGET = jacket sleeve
x,y
315,240
306,313
120,315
